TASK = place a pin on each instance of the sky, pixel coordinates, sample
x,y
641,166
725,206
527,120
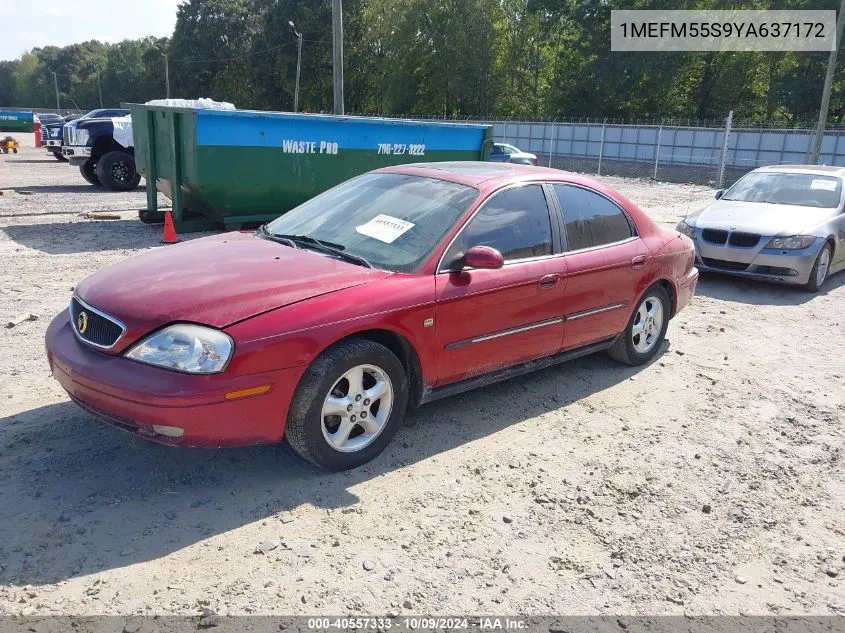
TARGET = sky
x,y
25,25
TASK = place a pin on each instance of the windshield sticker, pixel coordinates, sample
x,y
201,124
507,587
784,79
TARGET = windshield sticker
x,y
823,183
385,228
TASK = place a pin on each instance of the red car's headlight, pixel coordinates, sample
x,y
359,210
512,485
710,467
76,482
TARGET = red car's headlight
x,y
185,347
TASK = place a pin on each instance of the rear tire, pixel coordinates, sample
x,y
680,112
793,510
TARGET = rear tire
x,y
643,336
821,269
325,401
88,169
58,156
116,171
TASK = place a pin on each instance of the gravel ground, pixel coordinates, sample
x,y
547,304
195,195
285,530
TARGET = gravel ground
x,y
709,482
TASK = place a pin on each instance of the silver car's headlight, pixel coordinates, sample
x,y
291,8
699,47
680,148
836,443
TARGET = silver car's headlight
x,y
792,243
686,229
185,347
80,137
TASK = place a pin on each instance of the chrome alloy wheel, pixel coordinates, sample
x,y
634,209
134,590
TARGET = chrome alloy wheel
x,y
648,323
357,408
823,266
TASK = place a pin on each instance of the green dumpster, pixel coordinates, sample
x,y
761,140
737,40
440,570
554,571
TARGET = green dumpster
x,y
232,167
16,121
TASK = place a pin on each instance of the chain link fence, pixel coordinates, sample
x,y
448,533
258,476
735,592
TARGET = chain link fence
x,y
715,153
62,111
715,156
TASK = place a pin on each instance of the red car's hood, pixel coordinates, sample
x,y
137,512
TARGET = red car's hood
x,y
216,280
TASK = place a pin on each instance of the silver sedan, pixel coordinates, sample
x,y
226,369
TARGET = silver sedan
x,y
504,153
783,223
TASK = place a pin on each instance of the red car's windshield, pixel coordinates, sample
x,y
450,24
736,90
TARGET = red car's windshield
x,y
393,221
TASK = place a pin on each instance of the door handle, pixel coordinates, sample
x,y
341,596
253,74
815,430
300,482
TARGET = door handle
x,y
638,261
548,281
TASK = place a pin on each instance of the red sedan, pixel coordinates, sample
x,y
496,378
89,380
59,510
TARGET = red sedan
x,y
393,289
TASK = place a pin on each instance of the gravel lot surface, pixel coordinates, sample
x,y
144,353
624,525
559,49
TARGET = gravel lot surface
x,y
709,482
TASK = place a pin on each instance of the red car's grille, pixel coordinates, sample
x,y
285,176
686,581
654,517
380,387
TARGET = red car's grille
x,y
93,326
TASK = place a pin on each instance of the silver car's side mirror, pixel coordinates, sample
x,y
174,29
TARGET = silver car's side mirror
x,y
720,193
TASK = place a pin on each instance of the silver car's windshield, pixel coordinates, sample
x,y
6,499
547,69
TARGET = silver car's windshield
x,y
805,190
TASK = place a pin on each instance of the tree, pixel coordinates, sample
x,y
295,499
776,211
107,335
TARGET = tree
x,y
456,58
7,82
211,48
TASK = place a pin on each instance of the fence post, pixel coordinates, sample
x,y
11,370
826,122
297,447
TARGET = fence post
x,y
601,145
657,151
724,156
552,143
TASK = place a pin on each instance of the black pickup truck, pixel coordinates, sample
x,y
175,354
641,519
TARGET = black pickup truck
x,y
90,143
51,132
51,129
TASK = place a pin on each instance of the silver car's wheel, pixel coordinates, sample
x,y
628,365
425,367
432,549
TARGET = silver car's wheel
x,y
823,267
648,324
357,408
820,270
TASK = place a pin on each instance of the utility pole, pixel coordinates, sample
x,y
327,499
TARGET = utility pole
x,y
166,70
337,49
167,73
56,86
99,89
725,140
298,65
828,82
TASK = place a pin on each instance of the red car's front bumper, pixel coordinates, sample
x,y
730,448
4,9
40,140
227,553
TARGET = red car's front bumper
x,y
137,397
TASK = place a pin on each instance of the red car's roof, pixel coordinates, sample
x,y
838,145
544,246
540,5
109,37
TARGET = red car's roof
x,y
490,176
474,173
477,173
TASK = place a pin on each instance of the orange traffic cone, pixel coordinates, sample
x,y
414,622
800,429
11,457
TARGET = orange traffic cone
x,y
169,236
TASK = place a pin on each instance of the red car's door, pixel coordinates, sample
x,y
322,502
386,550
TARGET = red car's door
x,y
489,319
605,260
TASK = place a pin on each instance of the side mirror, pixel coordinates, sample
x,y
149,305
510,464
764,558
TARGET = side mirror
x,y
483,257
720,193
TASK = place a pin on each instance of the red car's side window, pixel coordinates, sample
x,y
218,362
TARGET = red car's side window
x,y
591,219
515,222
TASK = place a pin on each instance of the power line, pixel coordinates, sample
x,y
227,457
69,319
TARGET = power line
x,y
224,59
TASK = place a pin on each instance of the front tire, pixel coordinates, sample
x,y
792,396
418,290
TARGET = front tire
x,y
116,170
646,329
88,169
348,405
58,156
820,270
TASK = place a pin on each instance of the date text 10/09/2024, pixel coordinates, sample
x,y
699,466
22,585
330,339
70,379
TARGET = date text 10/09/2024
x,y
331,148
418,623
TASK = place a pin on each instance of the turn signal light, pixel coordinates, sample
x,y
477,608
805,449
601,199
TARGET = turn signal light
x,y
245,393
